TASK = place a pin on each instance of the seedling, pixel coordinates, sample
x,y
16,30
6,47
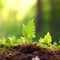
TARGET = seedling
x,y
24,48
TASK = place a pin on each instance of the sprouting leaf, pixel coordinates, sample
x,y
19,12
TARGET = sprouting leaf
x,y
23,41
2,41
24,31
12,41
46,39
28,30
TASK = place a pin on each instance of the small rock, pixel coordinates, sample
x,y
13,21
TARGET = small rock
x,y
36,58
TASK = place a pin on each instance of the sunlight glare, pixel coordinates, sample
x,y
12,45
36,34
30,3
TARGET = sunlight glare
x,y
24,7
21,6
12,4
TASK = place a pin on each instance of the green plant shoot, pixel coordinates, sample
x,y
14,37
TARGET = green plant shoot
x,y
28,31
47,39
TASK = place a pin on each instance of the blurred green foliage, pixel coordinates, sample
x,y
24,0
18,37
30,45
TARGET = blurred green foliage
x,y
27,39
11,25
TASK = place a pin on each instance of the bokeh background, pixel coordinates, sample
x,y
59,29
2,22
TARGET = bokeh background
x,y
46,14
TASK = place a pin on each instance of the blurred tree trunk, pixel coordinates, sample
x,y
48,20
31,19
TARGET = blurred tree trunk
x,y
55,22
39,17
38,20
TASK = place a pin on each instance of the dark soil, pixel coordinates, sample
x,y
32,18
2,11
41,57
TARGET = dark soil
x,y
29,52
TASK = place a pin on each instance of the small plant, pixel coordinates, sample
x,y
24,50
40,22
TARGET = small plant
x,y
24,48
28,33
47,39
47,42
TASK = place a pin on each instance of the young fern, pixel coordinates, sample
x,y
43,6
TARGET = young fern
x,y
28,32
47,39
46,42
11,41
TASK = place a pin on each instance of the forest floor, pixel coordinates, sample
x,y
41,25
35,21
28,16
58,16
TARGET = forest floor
x,y
29,52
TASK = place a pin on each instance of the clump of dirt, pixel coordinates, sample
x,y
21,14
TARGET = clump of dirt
x,y
29,52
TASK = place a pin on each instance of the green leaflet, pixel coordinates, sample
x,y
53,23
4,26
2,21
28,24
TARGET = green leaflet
x,y
2,41
28,30
46,42
46,39
11,41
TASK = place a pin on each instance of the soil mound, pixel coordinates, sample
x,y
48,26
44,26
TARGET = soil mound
x,y
29,52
